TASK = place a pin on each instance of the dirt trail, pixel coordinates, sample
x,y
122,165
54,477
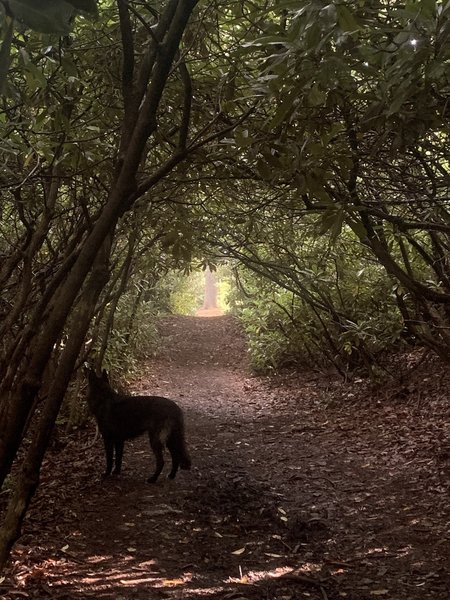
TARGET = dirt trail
x,y
293,493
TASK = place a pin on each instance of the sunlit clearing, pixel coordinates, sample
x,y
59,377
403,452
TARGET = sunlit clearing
x,y
210,312
201,293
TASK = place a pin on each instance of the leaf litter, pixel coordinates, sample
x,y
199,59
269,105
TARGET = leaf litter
x,y
302,487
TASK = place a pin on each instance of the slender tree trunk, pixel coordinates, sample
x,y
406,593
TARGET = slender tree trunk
x,y
28,254
131,320
125,274
28,478
24,393
210,300
26,378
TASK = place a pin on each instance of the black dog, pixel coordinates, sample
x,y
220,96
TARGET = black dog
x,y
121,417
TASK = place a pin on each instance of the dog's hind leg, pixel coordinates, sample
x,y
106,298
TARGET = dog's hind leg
x,y
118,445
158,451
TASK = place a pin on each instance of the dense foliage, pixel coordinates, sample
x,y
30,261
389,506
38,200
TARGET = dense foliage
x,y
351,138
330,305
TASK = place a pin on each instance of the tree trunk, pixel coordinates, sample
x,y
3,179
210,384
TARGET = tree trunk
x,y
25,379
124,276
28,379
210,300
28,478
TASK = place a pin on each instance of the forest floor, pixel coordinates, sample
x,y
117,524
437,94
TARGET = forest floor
x,y
302,486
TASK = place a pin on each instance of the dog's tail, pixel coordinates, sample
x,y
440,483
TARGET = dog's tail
x,y
177,441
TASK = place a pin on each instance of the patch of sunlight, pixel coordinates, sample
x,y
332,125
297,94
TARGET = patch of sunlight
x,y
95,560
117,576
381,551
210,312
203,592
155,581
109,571
133,579
163,582
254,576
107,558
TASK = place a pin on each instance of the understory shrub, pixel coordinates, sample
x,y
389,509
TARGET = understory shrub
x,y
349,328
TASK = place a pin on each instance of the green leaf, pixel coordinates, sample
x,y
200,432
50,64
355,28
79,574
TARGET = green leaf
x,y
272,40
315,187
428,7
359,230
45,16
283,110
88,6
316,97
332,220
36,77
242,138
264,170
346,20
69,66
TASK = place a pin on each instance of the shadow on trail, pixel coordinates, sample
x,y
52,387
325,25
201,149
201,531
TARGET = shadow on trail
x,y
213,536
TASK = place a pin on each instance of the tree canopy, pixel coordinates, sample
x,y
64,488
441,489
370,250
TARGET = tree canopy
x,y
306,142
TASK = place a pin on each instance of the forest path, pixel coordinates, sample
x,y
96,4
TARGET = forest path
x,y
294,493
